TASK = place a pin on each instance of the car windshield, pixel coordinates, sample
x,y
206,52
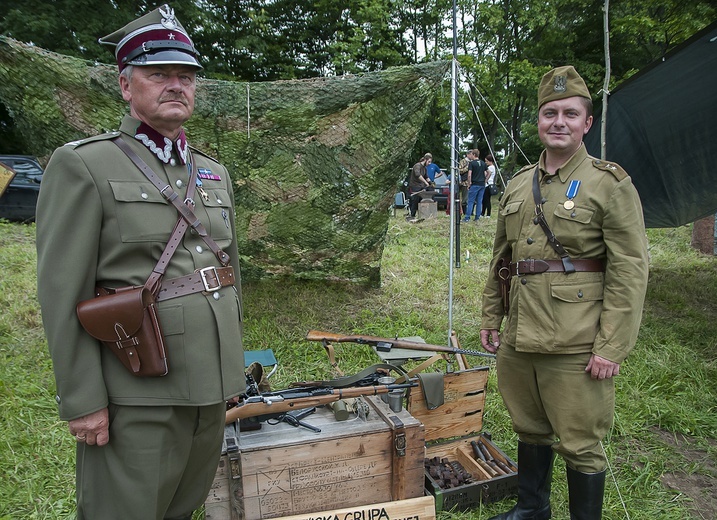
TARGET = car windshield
x,y
27,170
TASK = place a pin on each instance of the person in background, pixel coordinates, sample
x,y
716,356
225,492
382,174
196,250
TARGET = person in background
x,y
572,303
489,183
432,169
147,447
464,183
476,180
418,182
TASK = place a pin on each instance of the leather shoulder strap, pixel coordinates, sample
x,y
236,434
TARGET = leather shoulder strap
x,y
183,207
540,217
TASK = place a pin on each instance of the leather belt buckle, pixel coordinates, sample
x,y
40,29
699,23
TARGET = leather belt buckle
x,y
205,273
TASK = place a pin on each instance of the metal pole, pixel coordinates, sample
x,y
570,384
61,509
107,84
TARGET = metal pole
x,y
606,84
454,254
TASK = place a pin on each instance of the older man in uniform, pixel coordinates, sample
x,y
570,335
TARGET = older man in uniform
x,y
573,312
147,447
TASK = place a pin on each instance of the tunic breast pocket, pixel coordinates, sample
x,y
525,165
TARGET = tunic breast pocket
x,y
142,213
511,216
576,228
219,213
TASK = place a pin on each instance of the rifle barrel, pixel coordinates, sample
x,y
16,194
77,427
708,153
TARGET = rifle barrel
x,y
316,335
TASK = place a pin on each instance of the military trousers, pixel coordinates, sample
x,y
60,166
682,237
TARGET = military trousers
x,y
553,401
159,463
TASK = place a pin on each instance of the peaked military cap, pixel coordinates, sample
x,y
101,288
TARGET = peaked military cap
x,y
156,38
561,83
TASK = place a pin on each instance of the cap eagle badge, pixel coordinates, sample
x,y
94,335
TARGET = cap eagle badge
x,y
168,19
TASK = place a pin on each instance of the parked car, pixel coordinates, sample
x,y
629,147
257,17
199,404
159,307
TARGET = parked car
x,y
20,198
441,187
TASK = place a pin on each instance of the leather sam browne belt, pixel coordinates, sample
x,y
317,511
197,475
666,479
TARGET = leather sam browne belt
x,y
208,279
533,266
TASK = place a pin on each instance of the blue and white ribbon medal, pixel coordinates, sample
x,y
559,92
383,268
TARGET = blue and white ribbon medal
x,y
571,193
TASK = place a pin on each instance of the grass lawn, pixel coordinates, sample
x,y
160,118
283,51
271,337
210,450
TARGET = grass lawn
x,y
662,449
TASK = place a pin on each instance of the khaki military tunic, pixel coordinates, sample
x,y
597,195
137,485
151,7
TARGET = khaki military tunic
x,y
101,222
582,311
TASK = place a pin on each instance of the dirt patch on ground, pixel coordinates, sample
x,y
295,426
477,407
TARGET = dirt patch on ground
x,y
698,479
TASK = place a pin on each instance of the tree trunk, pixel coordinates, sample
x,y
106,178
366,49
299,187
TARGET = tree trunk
x,y
703,235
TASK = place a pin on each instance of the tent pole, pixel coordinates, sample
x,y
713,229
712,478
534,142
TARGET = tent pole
x,y
454,176
606,83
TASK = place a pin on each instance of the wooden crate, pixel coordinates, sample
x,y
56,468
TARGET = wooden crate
x,y
283,470
449,430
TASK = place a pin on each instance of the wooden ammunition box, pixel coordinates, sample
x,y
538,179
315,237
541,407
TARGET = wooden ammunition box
x,y
282,470
449,430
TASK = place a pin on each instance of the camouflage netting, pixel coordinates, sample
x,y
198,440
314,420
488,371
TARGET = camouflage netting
x,y
315,162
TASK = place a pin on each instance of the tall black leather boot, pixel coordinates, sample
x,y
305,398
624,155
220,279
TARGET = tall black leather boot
x,y
535,471
586,494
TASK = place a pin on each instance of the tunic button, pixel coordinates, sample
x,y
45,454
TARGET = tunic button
x,y
145,196
216,296
543,200
199,249
549,181
524,281
573,214
530,241
57,399
172,162
179,183
580,294
219,201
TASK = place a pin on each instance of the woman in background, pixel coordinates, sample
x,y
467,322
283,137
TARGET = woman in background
x,y
489,185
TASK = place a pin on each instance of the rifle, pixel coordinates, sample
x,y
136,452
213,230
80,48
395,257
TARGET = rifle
x,y
297,398
385,344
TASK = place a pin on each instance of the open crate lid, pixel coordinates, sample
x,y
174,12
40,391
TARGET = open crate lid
x,y
461,413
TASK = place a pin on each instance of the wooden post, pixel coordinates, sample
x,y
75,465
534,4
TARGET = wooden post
x,y
703,235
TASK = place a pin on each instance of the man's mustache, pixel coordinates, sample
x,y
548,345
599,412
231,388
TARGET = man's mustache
x,y
180,99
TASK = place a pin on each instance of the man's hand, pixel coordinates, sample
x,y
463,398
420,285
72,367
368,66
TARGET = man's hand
x,y
92,429
490,340
601,368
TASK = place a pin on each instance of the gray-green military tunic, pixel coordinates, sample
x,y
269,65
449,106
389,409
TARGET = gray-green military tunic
x,y
100,222
568,316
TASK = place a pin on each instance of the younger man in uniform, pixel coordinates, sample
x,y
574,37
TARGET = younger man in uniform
x,y
573,313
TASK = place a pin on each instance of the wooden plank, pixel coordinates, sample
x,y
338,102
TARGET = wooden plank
x,y
462,411
422,508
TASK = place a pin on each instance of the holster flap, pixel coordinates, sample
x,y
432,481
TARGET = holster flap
x,y
117,316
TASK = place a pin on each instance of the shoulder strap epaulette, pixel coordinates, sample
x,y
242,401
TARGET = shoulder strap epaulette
x,y
200,152
93,139
527,168
611,167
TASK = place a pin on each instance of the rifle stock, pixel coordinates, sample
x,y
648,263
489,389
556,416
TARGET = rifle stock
x,y
385,344
276,403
